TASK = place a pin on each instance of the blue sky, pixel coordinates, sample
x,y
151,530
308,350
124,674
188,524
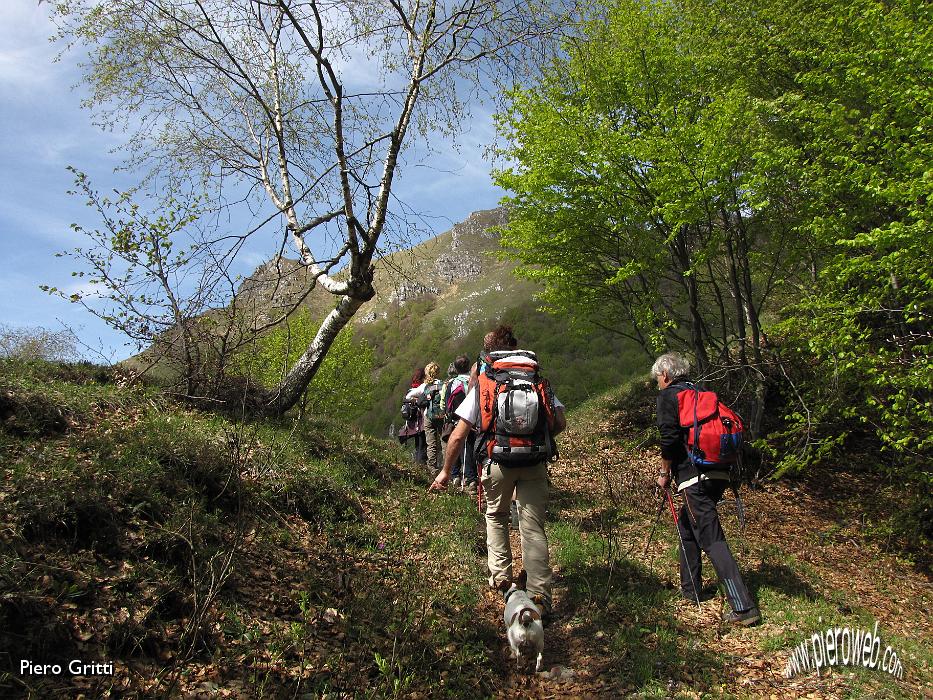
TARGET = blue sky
x,y
43,129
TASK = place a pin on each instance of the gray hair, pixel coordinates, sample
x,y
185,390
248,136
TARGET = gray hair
x,y
673,364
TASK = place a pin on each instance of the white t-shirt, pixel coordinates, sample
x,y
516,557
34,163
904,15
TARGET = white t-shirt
x,y
416,392
468,410
420,390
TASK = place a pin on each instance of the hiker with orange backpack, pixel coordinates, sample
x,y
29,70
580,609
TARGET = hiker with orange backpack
x,y
700,439
518,416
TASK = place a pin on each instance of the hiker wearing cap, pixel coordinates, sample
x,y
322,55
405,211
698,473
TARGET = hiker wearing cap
x,y
702,488
518,416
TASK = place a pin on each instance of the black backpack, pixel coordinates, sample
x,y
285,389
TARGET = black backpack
x,y
410,410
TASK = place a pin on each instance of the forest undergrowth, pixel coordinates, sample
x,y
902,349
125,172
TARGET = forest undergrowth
x,y
200,555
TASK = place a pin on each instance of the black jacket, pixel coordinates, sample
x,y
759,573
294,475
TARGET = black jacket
x,y
673,437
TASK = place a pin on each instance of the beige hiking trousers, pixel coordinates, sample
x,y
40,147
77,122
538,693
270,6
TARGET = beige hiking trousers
x,y
432,435
530,484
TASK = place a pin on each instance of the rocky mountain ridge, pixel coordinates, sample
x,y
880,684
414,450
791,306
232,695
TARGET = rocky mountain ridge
x,y
439,267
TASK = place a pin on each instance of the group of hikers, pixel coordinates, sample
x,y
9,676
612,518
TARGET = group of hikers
x,y
429,410
498,419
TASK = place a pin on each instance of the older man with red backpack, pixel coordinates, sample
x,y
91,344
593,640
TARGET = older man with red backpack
x,y
700,439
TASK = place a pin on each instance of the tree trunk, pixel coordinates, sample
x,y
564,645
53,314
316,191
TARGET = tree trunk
x,y
688,279
739,305
723,350
289,392
753,320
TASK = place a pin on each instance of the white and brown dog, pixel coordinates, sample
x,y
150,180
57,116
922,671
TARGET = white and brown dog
x,y
525,629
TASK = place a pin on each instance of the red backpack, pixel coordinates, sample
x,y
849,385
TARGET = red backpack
x,y
715,430
516,410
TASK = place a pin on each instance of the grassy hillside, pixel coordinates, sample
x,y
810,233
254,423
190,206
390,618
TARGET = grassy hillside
x,y
194,552
206,557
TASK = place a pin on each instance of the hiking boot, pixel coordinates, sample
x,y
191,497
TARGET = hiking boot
x,y
501,586
745,618
470,488
544,605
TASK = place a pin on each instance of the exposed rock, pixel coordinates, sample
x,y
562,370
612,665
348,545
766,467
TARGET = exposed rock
x,y
428,269
452,267
373,316
561,674
407,290
478,223
460,323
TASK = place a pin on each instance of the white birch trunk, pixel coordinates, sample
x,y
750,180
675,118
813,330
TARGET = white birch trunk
x,y
302,372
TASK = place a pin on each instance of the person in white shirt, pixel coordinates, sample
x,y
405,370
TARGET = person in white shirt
x,y
529,482
432,427
413,429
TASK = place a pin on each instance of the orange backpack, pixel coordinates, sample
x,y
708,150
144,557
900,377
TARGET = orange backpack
x,y
516,410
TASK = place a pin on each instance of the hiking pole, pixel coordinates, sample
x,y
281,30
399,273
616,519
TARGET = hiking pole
x,y
657,519
683,550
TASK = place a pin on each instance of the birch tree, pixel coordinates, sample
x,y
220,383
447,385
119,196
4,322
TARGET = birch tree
x,y
299,109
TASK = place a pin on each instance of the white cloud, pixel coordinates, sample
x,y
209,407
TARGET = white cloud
x,y
26,54
28,221
86,289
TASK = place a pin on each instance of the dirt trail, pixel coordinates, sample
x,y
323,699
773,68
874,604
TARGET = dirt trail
x,y
799,539
561,652
570,668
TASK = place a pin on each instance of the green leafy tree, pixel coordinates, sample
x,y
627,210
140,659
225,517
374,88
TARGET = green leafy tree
x,y
848,90
635,197
695,167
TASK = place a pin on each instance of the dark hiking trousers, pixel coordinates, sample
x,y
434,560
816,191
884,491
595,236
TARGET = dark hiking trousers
x,y
469,458
421,449
700,530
